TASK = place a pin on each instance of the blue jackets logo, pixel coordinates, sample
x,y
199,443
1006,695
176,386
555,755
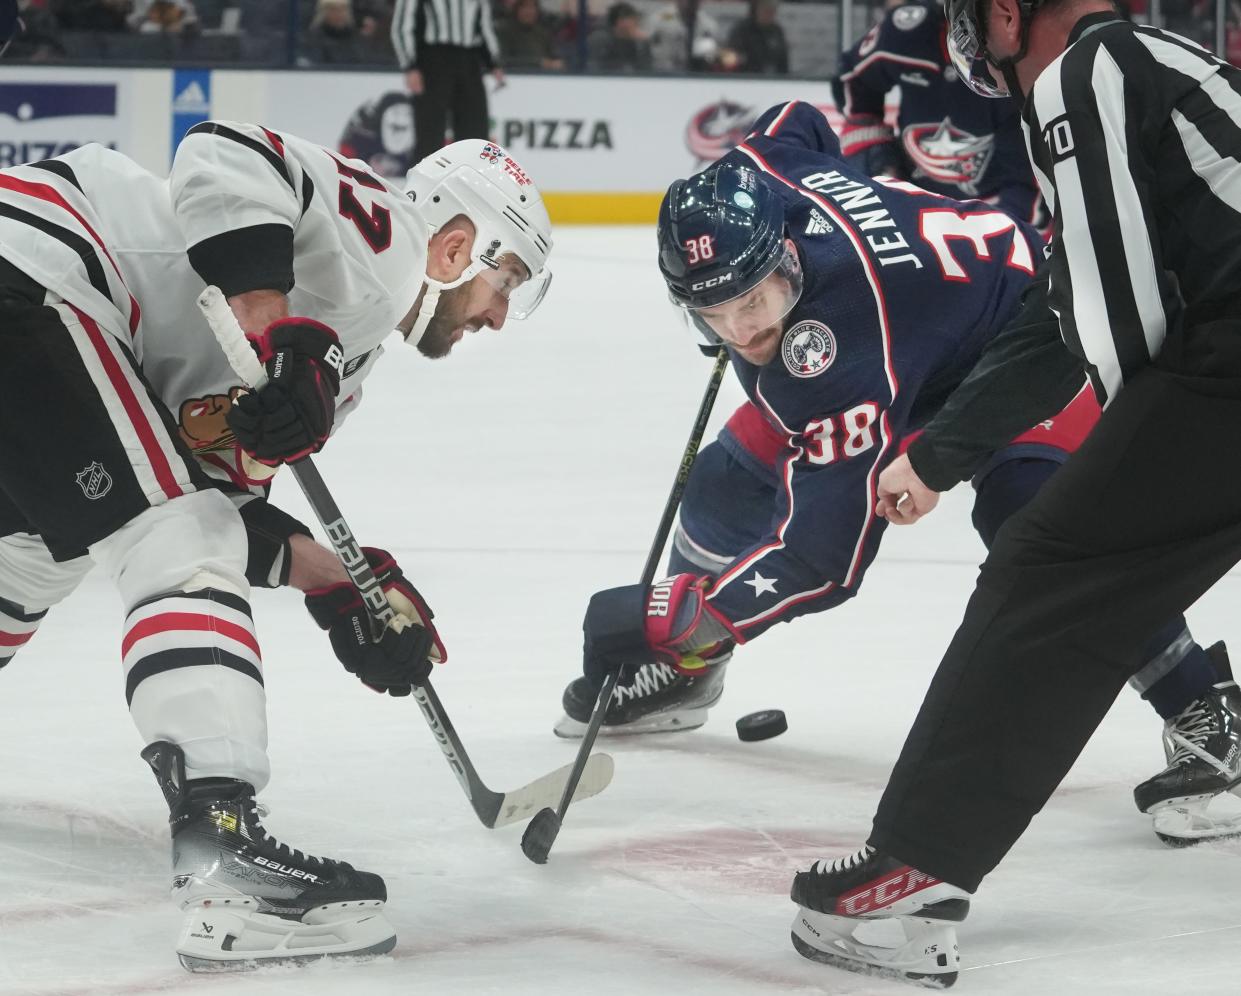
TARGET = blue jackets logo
x,y
808,349
41,120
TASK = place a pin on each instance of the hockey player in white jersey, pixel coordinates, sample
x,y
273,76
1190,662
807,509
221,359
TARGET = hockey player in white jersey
x,y
100,265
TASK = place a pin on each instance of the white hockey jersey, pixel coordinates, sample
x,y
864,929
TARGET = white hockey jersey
x,y
250,210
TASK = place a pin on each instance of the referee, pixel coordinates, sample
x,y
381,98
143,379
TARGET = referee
x,y
1135,137
444,47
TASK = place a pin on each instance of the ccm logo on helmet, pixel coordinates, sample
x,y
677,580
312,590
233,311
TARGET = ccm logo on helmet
x,y
725,278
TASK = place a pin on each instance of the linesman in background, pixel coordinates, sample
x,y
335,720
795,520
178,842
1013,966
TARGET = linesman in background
x,y
444,48
1135,138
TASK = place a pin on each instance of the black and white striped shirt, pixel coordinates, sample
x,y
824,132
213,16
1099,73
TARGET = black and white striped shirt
x,y
1135,137
463,23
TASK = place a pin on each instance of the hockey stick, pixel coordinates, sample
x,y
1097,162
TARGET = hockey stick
x,y
537,840
494,809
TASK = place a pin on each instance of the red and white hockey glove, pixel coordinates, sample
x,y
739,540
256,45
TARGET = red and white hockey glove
x,y
291,415
638,624
410,645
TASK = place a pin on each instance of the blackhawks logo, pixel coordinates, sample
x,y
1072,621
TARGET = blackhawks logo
x,y
808,349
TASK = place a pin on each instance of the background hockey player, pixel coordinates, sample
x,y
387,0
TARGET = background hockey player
x,y
94,269
1133,133
947,138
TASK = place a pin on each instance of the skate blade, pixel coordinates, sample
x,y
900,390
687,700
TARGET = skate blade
x,y
1188,821
682,721
929,959
217,940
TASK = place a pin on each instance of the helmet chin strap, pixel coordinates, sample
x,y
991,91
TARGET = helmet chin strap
x,y
431,300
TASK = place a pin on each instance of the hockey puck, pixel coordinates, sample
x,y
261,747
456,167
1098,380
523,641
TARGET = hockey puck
x,y
536,842
762,725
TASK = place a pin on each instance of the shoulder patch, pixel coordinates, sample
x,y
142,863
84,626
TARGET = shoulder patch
x,y
808,349
908,18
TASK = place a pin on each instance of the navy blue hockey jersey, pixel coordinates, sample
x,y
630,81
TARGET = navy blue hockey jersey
x,y
902,290
949,139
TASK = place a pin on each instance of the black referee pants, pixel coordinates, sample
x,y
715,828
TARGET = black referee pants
x,y
453,90
1134,528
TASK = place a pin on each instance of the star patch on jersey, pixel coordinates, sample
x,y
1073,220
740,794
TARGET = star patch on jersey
x,y
761,585
908,18
808,349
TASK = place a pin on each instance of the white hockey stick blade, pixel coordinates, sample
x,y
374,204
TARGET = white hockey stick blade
x,y
228,333
545,792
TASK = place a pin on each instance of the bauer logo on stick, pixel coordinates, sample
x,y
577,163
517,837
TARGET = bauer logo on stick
x,y
809,348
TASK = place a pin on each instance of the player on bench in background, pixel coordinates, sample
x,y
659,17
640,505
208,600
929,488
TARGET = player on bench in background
x,y
947,139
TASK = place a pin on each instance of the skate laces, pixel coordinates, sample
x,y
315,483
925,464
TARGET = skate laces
x,y
1188,733
259,811
649,680
847,863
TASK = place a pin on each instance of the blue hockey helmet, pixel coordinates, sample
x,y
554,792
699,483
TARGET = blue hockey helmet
x,y
721,236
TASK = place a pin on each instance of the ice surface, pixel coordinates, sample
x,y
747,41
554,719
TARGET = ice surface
x,y
512,480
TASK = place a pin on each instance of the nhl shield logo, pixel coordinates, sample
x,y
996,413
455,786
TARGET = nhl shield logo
x,y
94,481
808,349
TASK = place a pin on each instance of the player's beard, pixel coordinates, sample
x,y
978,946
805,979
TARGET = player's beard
x,y
447,324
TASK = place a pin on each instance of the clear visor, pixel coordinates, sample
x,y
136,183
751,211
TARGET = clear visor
x,y
742,318
968,55
511,280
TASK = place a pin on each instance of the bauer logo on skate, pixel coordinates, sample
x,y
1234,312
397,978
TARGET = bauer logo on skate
x,y
809,348
877,895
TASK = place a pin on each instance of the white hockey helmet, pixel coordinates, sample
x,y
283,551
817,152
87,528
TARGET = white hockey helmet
x,y
481,181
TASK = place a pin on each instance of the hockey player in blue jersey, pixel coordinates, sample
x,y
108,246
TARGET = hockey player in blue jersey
x,y
851,308
947,139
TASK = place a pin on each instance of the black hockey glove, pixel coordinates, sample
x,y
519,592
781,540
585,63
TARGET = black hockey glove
x,y
404,656
291,415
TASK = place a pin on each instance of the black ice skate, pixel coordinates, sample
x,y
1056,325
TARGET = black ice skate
x,y
873,914
660,699
1203,748
249,899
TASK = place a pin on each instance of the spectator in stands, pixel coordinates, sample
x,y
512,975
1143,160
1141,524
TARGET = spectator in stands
x,y
334,36
685,37
759,41
168,17
620,46
92,15
36,41
526,40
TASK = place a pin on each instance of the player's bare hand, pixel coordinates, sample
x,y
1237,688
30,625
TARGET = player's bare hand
x,y
414,82
500,78
903,498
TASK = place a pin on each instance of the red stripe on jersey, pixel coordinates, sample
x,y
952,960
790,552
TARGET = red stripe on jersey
x,y
277,142
775,125
129,400
14,639
757,436
45,192
174,622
